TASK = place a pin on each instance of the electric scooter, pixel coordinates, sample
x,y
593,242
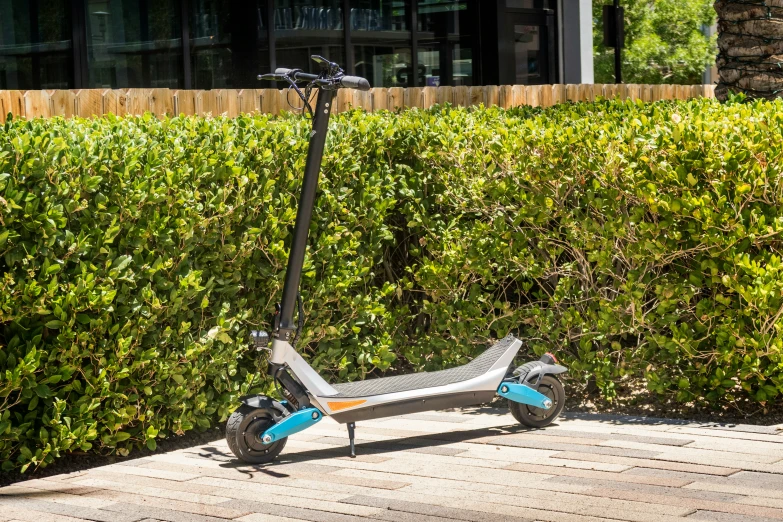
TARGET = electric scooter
x,y
258,430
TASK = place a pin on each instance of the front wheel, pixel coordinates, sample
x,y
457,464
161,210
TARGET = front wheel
x,y
537,417
244,430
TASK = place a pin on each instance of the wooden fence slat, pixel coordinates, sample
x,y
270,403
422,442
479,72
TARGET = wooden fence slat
x,y
518,95
184,102
475,95
558,93
412,97
161,102
491,95
249,101
89,103
461,96
396,99
445,94
343,101
379,98
506,96
62,103
228,102
13,102
585,92
207,103
363,100
5,105
36,104
598,90
429,97
533,95
572,92
547,95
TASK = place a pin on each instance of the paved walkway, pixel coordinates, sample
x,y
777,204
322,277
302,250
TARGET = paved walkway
x,y
470,465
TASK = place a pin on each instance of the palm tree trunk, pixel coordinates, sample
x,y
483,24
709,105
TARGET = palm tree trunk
x,y
750,48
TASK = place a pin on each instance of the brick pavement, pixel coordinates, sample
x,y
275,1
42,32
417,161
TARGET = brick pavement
x,y
471,465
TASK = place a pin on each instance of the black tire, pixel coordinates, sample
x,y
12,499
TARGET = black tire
x,y
243,435
537,417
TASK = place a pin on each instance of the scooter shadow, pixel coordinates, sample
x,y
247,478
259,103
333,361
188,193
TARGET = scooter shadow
x,y
430,443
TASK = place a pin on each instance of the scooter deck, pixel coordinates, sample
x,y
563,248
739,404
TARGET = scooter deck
x,y
417,381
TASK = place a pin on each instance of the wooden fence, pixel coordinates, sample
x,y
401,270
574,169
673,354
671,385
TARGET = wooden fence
x,y
95,102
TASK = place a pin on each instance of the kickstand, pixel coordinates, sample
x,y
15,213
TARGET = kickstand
x,y
351,434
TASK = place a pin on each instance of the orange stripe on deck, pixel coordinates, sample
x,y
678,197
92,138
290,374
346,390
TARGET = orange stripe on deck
x,y
337,406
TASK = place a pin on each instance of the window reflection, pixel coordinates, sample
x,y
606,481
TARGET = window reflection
x,y
134,43
381,42
228,43
35,44
445,50
307,27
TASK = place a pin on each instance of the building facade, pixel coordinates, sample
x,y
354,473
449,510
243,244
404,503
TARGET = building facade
x,y
210,44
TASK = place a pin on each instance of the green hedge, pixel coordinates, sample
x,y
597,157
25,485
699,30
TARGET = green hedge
x,y
638,241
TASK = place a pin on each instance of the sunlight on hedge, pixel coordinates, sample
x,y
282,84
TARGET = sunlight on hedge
x,y
637,241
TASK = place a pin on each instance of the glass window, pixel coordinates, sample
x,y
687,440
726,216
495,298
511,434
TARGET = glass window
x,y
228,42
527,4
307,27
381,42
35,44
528,54
445,50
134,43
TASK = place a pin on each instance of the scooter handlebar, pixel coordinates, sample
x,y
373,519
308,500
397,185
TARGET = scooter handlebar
x,y
355,82
349,82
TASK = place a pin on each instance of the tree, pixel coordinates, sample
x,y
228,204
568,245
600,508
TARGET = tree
x,y
750,42
664,42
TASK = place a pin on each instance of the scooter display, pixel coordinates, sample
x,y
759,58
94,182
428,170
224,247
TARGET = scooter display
x,y
258,430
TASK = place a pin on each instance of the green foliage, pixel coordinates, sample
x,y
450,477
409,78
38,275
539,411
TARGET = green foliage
x,y
637,241
664,42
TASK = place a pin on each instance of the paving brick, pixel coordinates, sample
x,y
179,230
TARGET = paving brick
x,y
716,516
312,515
747,428
30,515
158,513
257,517
590,474
18,492
267,474
647,489
645,439
643,463
135,462
166,503
68,510
152,488
429,510
364,446
401,516
761,480
55,485
155,473
554,446
691,503
626,420
685,476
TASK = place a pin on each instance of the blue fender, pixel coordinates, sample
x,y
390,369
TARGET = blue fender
x,y
521,393
294,423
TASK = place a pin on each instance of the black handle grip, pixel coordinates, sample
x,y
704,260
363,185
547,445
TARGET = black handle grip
x,y
355,82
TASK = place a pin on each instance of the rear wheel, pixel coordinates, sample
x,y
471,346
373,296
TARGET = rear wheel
x,y
244,430
537,417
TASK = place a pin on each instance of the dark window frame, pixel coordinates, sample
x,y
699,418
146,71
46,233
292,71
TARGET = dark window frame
x,y
79,48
